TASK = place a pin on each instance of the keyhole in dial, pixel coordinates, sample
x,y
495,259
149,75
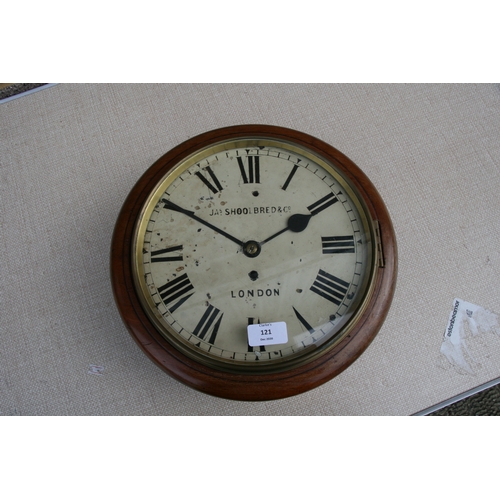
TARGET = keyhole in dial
x,y
253,275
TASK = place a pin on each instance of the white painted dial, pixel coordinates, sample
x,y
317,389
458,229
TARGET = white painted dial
x,y
253,231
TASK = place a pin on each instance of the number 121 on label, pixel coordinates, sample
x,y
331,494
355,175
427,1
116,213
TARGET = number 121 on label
x,y
267,334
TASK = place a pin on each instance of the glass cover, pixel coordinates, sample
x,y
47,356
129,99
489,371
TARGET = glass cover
x,y
254,254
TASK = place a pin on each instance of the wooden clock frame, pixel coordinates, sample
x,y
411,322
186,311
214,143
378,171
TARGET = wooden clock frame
x,y
254,386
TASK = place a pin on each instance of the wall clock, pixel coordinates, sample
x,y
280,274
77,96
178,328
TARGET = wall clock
x,y
253,262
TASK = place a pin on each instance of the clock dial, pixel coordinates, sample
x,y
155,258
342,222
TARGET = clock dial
x,y
253,231
253,262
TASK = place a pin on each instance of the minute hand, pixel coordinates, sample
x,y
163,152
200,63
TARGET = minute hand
x,y
177,208
298,222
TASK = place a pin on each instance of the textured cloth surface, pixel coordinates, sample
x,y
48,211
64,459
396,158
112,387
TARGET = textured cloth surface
x,y
70,154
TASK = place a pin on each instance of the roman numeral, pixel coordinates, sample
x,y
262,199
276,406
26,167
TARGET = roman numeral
x,y
215,189
176,289
320,205
303,321
261,348
289,178
330,287
337,244
253,169
168,258
209,321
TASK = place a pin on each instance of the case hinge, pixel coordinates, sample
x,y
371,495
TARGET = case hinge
x,y
378,240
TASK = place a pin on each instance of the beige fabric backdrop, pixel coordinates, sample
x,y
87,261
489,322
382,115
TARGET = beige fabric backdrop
x,y
70,154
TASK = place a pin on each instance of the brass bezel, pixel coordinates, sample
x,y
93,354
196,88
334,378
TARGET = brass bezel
x,y
270,366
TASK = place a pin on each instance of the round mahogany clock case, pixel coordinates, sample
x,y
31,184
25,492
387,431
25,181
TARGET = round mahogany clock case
x,y
253,262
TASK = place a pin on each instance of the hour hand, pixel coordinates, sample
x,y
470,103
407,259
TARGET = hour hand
x,y
176,208
296,223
